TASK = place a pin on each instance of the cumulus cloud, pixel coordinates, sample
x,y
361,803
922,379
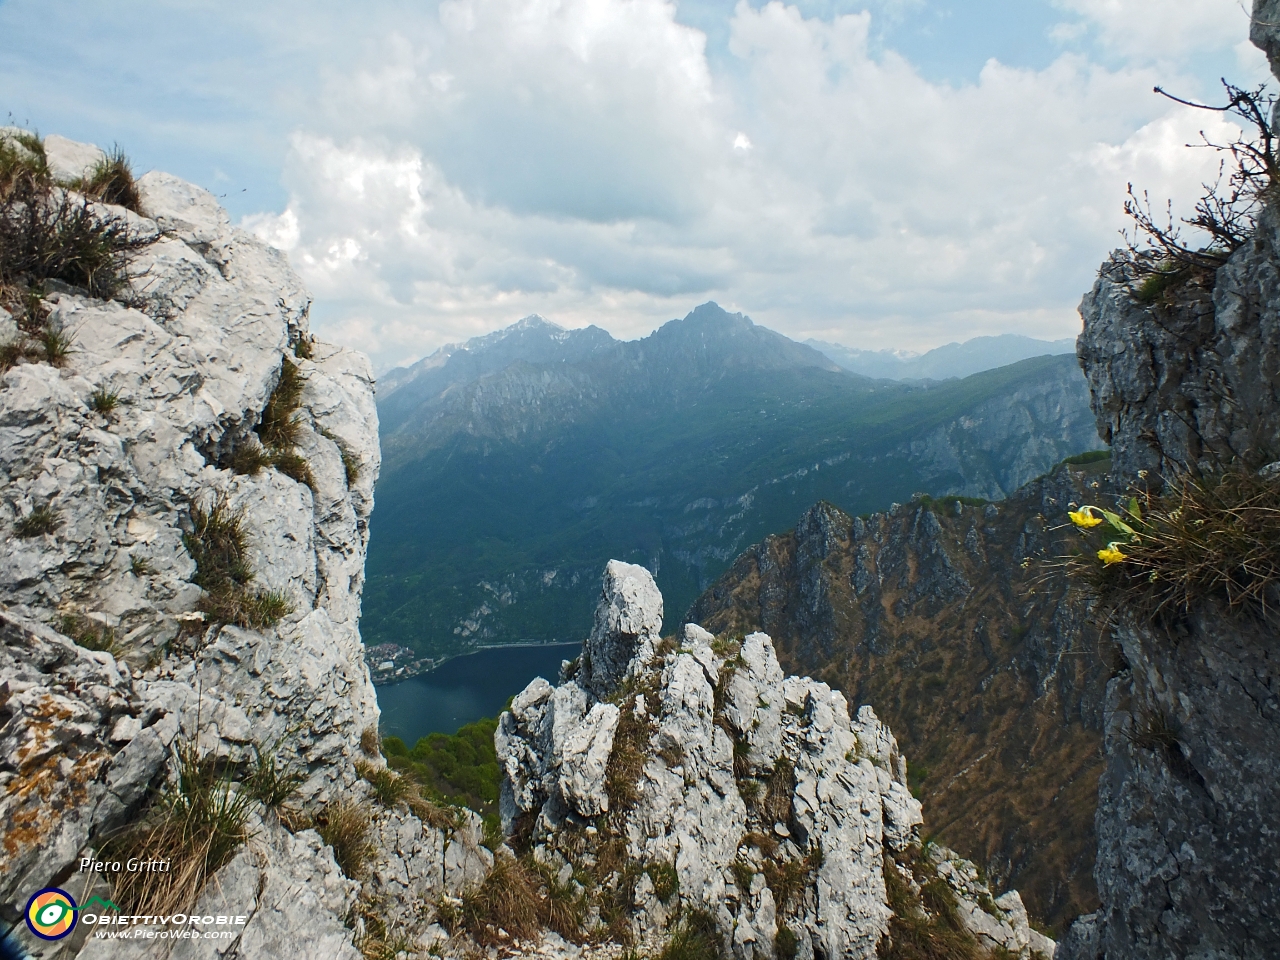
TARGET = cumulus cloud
x,y
583,160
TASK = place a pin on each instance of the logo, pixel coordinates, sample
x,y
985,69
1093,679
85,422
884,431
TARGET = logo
x,y
51,913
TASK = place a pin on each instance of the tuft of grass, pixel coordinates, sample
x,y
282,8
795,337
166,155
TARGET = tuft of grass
x,y
666,882
11,354
563,906
776,807
786,944
268,782
104,401
696,937
924,925
219,545
743,874
140,566
788,879
22,161
389,788
345,826
88,633
1215,538
47,234
40,521
303,348
625,768
371,741
295,466
55,344
248,457
279,427
198,823
508,899
1151,729
111,181
351,466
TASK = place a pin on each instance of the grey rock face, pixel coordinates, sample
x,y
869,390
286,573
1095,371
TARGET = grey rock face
x,y
628,623
1186,387
1188,805
1189,798
86,737
711,762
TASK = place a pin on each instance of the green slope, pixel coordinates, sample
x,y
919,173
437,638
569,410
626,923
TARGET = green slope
x,y
485,539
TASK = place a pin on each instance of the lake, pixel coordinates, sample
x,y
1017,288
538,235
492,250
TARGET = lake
x,y
465,689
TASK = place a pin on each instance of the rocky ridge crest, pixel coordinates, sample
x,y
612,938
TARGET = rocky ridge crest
x,y
777,812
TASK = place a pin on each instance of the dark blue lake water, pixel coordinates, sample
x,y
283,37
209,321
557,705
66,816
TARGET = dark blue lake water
x,y
466,688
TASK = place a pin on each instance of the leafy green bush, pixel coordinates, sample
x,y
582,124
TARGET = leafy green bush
x,y
462,768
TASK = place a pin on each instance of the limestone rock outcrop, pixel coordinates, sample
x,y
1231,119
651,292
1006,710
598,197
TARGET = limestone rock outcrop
x,y
1188,804
189,357
773,810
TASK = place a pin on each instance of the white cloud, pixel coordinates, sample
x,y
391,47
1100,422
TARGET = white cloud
x,y
581,159
1163,31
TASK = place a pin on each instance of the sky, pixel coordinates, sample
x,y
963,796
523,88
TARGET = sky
x,y
883,174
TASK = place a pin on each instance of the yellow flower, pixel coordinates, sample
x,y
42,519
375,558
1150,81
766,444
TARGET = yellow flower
x,y
1111,554
1084,517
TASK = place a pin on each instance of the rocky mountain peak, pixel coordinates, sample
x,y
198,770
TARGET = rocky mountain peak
x,y
752,799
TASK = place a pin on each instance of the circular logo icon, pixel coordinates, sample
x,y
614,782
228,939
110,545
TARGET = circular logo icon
x,y
51,913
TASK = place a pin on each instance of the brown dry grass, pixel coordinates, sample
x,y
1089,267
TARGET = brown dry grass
x,y
345,825
1211,538
198,824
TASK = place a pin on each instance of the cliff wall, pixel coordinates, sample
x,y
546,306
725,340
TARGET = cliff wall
x,y
1188,804
111,663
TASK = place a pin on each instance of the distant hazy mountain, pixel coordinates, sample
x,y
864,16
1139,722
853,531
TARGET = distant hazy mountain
x,y
952,360
518,463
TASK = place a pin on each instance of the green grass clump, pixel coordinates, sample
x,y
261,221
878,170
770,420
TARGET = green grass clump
x,y
389,788
219,546
88,633
249,457
786,944
666,882
111,181
280,427
269,782
925,925
1214,538
197,824
104,401
508,899
345,825
696,937
275,439
40,521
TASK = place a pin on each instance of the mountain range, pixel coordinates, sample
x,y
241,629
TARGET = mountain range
x,y
942,363
517,463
